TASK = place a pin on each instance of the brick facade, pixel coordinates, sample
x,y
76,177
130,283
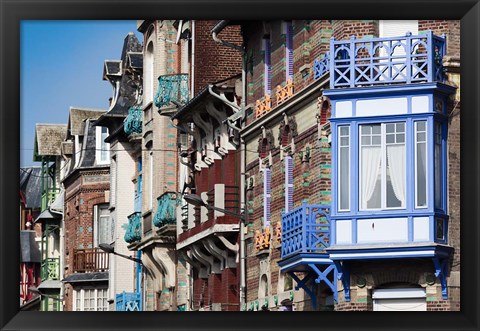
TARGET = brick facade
x,y
83,190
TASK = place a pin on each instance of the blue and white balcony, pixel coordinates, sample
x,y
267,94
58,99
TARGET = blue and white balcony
x,y
305,238
397,60
129,301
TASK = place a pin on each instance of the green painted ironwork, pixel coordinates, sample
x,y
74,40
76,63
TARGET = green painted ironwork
x,y
134,230
48,196
48,183
133,122
50,269
172,88
166,210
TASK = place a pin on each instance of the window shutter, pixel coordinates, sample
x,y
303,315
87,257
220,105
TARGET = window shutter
x,y
268,66
288,184
267,192
289,50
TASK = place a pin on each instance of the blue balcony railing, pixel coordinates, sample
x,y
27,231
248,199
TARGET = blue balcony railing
x,y
134,229
133,122
306,229
172,88
129,301
321,66
166,210
406,59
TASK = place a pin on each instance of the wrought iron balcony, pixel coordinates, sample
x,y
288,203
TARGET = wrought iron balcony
x,y
166,210
321,66
129,301
306,229
48,196
50,269
405,59
90,260
134,230
133,122
172,88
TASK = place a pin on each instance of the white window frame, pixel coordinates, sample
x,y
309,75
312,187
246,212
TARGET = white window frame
x,y
415,145
81,292
340,163
96,218
288,183
100,145
267,74
267,197
383,147
438,164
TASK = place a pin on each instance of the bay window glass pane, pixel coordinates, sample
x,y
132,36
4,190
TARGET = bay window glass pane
x,y
438,165
421,164
370,167
344,168
396,167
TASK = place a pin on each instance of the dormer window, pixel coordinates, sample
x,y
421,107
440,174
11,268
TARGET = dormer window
x,y
102,154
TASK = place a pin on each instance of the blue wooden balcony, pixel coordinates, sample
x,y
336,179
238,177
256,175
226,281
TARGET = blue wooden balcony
x,y
172,89
396,60
129,301
166,210
134,229
321,66
305,229
133,122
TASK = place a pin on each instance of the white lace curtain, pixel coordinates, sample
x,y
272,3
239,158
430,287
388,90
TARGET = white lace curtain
x,y
371,157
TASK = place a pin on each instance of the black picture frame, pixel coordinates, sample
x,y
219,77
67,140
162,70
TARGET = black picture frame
x,y
13,11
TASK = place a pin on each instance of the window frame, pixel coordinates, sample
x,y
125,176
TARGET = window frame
x,y
81,292
267,65
96,223
348,166
427,163
101,145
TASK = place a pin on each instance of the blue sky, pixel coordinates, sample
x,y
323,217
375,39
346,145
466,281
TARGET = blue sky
x,y
61,65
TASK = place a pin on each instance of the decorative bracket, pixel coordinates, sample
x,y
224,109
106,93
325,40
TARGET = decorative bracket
x,y
322,276
303,284
441,270
343,274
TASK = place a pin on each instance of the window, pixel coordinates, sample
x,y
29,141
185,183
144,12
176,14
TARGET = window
x,y
102,225
438,165
344,168
288,183
148,76
382,166
421,164
267,191
90,299
103,148
267,65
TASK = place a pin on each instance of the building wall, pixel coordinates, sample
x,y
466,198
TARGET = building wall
x,y
215,62
83,191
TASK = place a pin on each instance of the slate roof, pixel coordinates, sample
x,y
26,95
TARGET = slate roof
x,y
30,185
89,146
29,249
77,117
86,277
48,139
135,60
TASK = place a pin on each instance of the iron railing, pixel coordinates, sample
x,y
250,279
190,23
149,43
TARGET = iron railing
x,y
133,122
172,88
166,210
405,59
90,260
306,229
50,269
134,230
129,301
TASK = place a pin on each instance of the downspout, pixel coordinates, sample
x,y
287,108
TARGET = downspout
x,y
215,32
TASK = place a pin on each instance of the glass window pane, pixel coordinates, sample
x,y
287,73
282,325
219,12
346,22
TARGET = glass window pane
x,y
344,178
344,130
344,141
421,137
366,141
400,127
376,140
390,138
396,176
421,165
376,129
401,138
390,128
365,129
421,125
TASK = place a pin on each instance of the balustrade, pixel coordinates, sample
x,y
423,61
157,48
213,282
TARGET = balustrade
x,y
172,88
90,260
134,230
133,122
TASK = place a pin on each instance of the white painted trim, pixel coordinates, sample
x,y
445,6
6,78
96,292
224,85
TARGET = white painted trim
x,y
399,293
425,253
216,228
306,260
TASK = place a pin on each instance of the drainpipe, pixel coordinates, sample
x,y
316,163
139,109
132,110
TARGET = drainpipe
x,y
215,31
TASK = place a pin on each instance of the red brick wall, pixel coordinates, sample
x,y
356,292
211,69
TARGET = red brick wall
x,y
344,29
80,200
213,61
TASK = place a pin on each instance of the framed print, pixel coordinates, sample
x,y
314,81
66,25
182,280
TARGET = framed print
x,y
309,159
